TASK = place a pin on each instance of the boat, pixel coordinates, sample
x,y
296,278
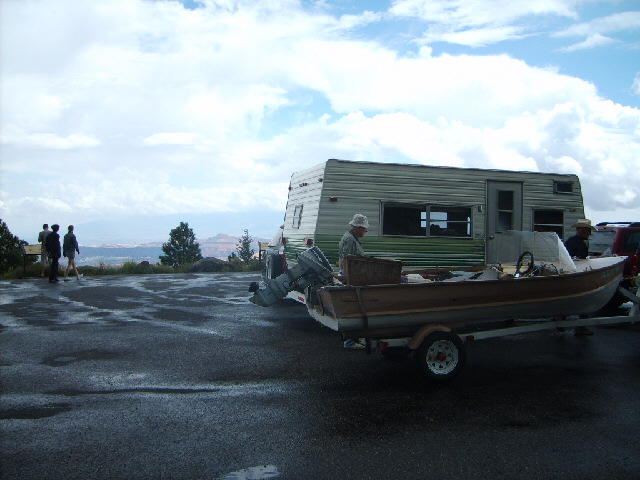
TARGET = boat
x,y
375,298
471,297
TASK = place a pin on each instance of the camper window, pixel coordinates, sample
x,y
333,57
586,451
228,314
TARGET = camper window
x,y
297,216
548,221
409,220
449,221
422,220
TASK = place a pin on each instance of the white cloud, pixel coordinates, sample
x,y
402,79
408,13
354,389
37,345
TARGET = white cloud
x,y
146,108
465,13
635,87
478,37
618,22
592,41
172,138
598,32
478,22
53,141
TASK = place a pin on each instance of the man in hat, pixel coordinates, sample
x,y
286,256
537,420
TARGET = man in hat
x,y
350,241
578,245
350,245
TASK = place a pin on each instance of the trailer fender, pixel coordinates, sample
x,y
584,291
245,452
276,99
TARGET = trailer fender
x,y
421,334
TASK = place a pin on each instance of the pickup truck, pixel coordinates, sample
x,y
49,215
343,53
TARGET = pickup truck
x,y
620,239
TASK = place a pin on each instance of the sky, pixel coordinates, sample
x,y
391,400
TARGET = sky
x,y
127,117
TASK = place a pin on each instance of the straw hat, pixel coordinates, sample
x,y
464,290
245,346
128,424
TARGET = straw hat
x,y
359,221
583,223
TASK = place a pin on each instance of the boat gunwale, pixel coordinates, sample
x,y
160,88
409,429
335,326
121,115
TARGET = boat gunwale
x,y
328,296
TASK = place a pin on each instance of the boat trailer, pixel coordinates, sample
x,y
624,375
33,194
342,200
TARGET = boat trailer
x,y
439,350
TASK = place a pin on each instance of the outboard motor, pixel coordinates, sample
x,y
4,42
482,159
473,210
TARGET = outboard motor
x,y
313,270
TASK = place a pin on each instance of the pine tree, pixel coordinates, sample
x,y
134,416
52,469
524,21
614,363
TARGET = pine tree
x,y
10,251
245,252
182,247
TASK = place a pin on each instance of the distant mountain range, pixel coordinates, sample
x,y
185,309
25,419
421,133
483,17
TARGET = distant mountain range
x,y
220,246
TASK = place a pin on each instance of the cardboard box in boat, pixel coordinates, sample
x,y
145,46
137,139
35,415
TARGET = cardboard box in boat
x,y
360,271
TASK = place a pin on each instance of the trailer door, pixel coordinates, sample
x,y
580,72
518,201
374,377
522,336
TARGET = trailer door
x,y
504,212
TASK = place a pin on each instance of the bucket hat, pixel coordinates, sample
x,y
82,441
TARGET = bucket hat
x,y
359,221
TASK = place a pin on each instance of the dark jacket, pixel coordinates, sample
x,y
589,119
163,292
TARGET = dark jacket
x,y
52,245
69,244
577,247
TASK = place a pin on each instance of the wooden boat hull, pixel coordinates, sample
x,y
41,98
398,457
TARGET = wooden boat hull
x,y
390,309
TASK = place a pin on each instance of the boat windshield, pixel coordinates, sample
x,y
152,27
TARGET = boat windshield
x,y
545,247
601,242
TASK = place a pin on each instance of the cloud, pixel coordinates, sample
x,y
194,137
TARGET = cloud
x,y
592,41
477,13
618,22
635,87
52,141
477,37
172,138
598,32
478,23
148,108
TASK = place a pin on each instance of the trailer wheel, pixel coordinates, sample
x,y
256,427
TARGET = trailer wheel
x,y
441,356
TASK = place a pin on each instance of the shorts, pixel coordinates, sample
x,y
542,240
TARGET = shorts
x,y
70,255
44,259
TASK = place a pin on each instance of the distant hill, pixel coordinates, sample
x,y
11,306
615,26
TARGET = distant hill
x,y
219,246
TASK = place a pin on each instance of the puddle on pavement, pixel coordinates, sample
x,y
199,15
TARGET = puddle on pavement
x,y
262,472
73,357
34,413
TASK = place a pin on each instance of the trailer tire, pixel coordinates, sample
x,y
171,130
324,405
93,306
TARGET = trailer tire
x,y
441,356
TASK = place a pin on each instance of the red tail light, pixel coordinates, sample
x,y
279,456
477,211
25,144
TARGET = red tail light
x,y
634,265
284,262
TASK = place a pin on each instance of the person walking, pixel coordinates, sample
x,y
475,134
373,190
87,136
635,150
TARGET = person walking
x,y
44,258
52,245
69,249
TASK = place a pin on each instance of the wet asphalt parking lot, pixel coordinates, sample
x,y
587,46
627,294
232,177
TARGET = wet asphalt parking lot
x,y
180,377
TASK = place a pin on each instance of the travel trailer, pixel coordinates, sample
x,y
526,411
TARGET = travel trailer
x,y
425,216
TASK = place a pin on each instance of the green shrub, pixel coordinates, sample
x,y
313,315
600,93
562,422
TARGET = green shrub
x,y
134,268
11,258
238,265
